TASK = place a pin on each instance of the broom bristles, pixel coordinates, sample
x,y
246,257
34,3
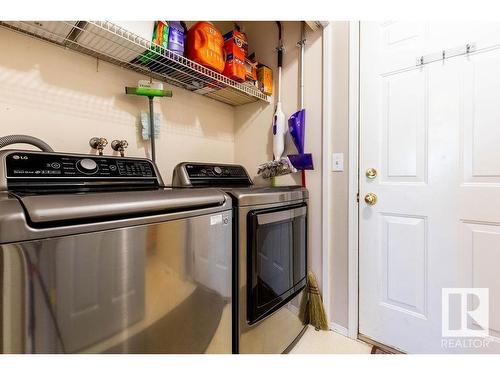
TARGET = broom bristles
x,y
312,310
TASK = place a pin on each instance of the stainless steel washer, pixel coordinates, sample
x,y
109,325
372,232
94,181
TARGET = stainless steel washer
x,y
269,254
96,256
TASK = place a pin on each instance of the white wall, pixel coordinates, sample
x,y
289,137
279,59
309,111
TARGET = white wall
x,y
65,98
253,140
339,181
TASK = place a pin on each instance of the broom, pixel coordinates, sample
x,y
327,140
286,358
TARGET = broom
x,y
312,310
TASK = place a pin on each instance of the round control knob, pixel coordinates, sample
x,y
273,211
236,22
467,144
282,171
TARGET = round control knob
x,y
87,166
217,170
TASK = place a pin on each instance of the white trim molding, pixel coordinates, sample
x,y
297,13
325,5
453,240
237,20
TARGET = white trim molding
x,y
339,329
353,309
325,173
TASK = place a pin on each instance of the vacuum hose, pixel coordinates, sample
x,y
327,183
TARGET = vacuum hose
x,y
28,139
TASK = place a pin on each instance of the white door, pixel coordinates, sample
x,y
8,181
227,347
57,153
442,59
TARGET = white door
x,y
432,132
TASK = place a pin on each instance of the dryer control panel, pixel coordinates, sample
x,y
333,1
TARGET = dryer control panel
x,y
209,174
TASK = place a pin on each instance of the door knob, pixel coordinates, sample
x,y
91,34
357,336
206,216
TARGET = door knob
x,y
371,199
371,173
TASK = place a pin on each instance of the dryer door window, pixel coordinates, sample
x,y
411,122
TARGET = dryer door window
x,y
276,258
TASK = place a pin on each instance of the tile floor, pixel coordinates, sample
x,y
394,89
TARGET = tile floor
x,y
328,342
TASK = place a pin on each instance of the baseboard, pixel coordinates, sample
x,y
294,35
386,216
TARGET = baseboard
x,y
339,329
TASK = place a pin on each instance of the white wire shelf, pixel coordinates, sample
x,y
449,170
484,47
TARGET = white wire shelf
x,y
107,41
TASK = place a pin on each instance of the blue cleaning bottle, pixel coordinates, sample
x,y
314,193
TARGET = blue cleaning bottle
x,y
176,37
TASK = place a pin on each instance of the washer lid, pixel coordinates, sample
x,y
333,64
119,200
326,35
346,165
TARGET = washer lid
x,y
267,195
92,207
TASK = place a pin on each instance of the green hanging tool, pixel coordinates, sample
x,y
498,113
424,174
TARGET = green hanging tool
x,y
151,93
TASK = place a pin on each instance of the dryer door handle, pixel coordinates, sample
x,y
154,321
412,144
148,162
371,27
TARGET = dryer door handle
x,y
274,217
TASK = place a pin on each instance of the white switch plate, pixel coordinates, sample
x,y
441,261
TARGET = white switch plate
x,y
338,162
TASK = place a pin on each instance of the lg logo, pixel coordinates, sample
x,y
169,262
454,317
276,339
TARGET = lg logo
x,y
20,157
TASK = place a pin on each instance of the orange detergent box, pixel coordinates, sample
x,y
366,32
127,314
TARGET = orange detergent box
x,y
265,79
235,68
235,43
236,49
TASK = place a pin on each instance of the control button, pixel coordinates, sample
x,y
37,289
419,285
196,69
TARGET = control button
x,y
55,165
217,170
87,166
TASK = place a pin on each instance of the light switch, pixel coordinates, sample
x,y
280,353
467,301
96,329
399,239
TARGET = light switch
x,y
338,162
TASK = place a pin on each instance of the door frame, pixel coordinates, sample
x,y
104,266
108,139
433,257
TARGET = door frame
x,y
353,210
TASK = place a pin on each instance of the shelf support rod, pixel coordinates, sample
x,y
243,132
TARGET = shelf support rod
x,y
152,128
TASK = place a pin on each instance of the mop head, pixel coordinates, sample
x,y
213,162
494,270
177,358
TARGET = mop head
x,y
276,168
312,310
301,162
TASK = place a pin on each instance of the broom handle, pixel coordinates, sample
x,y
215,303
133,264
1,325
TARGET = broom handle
x,y
302,42
302,45
280,59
